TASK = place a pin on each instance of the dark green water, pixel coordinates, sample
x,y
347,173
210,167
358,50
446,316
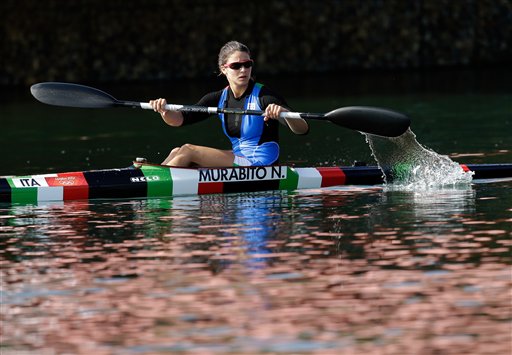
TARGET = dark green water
x,y
333,271
474,119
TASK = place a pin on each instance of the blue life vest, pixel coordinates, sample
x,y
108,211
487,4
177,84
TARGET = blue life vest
x,y
251,129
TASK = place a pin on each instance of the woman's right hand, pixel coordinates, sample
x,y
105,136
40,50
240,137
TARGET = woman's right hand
x,y
172,118
158,105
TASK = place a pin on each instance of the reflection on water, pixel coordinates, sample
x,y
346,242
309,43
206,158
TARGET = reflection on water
x,y
434,204
360,270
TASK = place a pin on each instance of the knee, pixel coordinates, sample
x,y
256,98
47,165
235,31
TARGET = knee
x,y
175,151
185,151
186,148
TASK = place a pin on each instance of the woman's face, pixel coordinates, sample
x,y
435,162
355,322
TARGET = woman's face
x,y
242,75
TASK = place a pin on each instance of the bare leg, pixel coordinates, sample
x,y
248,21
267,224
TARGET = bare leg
x,y
190,154
171,156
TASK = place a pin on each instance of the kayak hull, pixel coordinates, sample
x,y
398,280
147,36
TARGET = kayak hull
x,y
144,180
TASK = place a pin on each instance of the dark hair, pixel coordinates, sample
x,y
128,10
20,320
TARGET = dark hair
x,y
228,49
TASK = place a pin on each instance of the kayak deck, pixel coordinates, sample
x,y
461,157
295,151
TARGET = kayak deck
x,y
144,180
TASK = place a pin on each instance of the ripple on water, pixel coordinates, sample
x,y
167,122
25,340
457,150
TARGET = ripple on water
x,y
316,272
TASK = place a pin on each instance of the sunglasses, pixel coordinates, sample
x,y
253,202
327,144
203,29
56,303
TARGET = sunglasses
x,y
237,65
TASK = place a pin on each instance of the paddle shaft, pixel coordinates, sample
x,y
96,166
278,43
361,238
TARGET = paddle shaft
x,y
216,110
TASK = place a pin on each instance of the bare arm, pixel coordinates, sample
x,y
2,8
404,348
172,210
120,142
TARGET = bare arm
x,y
172,118
297,126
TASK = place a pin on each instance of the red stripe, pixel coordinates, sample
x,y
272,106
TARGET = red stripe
x,y
464,167
74,184
210,188
332,176
76,193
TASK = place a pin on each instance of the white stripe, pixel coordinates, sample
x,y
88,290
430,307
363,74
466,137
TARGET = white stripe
x,y
287,114
309,178
184,181
172,107
53,193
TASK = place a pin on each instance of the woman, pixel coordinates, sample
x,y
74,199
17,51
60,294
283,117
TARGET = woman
x,y
254,140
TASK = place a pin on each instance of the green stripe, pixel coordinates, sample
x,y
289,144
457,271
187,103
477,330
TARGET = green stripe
x,y
22,194
291,182
159,180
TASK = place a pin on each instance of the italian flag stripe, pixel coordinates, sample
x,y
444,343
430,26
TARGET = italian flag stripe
x,y
291,181
159,181
332,176
28,195
309,178
185,181
210,188
50,193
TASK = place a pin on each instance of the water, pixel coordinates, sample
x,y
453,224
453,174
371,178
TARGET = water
x,y
330,271
410,166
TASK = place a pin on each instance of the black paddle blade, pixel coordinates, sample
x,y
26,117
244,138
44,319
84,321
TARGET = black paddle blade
x,y
72,95
378,121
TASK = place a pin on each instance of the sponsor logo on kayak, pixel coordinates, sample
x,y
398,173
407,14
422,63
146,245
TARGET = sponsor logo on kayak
x,y
145,178
242,174
64,181
67,179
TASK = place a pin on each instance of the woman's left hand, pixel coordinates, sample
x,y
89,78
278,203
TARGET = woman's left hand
x,y
273,111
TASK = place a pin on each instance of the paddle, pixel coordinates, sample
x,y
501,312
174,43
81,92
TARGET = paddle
x,y
371,120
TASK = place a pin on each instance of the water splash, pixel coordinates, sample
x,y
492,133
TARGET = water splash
x,y
409,165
